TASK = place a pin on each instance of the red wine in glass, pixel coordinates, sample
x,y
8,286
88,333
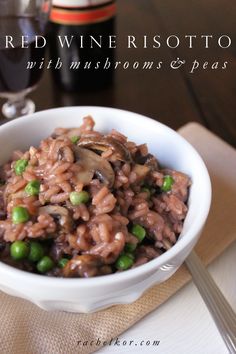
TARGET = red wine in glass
x,y
15,74
22,48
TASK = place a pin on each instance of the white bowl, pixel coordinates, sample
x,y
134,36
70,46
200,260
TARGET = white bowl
x,y
88,295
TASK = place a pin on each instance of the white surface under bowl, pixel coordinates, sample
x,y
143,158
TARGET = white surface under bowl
x,y
88,295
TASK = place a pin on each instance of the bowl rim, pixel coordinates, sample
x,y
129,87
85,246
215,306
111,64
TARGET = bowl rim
x,y
152,265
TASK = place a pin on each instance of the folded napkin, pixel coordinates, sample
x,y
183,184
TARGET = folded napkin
x,y
26,329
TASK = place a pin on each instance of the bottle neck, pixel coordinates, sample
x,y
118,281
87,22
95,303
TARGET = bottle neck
x,y
97,11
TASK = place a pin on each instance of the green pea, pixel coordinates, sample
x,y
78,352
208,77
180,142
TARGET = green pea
x,y
36,251
19,250
146,190
20,166
124,262
19,215
78,198
130,247
139,232
167,183
45,264
63,262
32,188
74,139
130,255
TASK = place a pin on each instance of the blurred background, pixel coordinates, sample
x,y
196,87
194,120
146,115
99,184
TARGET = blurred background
x,y
172,96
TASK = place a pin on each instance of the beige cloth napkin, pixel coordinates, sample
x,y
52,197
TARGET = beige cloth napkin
x,y
26,329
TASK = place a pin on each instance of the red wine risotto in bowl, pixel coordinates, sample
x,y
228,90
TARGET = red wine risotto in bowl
x,y
81,201
83,204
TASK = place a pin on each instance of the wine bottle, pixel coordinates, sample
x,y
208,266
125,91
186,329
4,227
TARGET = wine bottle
x,y
81,38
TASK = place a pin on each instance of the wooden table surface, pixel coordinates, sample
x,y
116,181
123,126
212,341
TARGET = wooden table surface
x,y
173,97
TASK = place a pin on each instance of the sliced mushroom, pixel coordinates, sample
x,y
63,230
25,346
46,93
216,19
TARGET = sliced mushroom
x,y
151,161
58,213
148,160
83,266
91,163
104,143
65,153
141,171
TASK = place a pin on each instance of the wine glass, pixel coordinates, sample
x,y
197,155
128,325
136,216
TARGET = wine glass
x,y
22,48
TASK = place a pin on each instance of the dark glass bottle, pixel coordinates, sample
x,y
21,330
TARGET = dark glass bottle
x,y
85,61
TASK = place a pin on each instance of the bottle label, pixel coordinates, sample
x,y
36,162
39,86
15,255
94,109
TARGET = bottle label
x,y
78,3
83,16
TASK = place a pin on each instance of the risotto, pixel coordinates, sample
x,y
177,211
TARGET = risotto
x,y
85,204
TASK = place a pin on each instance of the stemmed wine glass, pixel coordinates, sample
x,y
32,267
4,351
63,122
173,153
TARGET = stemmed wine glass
x,y
22,47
